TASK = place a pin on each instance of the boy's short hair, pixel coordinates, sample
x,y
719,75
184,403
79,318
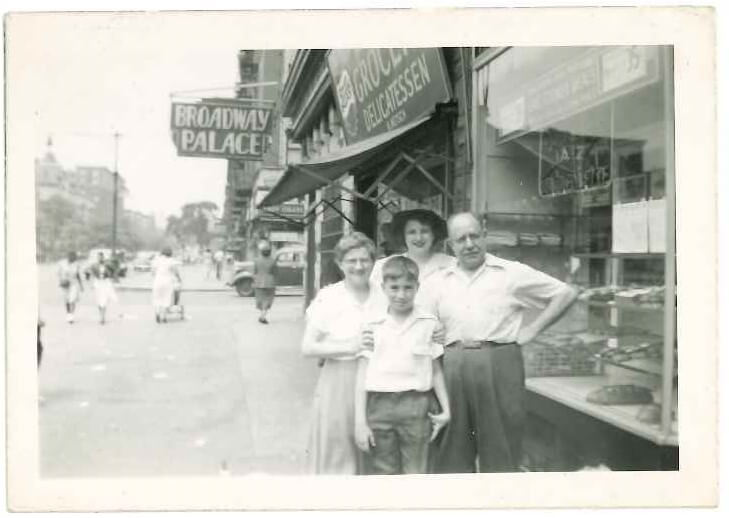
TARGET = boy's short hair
x,y
399,267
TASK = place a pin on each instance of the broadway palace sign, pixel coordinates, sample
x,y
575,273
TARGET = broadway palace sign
x,y
220,129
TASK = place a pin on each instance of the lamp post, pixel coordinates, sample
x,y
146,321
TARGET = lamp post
x,y
115,196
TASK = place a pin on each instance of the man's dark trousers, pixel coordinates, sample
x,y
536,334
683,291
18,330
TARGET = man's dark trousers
x,y
487,397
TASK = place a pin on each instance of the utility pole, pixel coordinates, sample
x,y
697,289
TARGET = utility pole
x,y
116,195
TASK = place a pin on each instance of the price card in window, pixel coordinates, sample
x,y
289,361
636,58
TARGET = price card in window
x,y
657,226
630,227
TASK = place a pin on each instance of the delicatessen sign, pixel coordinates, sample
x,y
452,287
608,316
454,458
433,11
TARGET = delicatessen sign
x,y
378,90
220,130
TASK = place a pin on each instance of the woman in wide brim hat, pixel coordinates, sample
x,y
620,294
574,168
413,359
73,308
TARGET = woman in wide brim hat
x,y
420,232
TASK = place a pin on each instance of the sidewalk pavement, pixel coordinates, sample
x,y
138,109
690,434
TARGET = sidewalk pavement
x,y
195,277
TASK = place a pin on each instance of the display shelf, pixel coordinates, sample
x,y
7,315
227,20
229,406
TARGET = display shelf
x,y
572,392
630,306
642,365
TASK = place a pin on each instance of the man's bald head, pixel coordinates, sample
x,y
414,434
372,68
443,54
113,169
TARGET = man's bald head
x,y
460,218
465,236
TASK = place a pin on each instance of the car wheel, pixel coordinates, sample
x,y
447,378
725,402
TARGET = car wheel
x,y
244,287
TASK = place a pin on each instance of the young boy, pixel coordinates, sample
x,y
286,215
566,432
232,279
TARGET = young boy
x,y
400,379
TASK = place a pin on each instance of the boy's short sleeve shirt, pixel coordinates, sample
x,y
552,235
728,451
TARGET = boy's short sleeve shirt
x,y
402,358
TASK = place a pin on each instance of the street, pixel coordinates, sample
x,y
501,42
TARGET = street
x,y
215,394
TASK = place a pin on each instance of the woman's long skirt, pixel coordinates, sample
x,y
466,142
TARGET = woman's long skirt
x,y
332,450
264,298
104,291
162,293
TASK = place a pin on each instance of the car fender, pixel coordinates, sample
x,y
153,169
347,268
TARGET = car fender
x,y
237,276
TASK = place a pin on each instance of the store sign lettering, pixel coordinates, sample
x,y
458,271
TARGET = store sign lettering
x,y
378,90
220,130
577,85
572,163
289,209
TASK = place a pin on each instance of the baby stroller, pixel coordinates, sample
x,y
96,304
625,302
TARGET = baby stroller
x,y
176,309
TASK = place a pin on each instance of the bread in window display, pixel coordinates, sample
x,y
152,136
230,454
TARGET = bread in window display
x,y
620,395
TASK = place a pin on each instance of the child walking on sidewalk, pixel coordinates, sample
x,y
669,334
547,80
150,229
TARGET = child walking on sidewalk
x,y
401,403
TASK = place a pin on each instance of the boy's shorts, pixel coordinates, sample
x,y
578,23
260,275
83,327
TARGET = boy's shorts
x,y
400,424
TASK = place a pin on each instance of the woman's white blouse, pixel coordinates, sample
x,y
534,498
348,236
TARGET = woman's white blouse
x,y
334,322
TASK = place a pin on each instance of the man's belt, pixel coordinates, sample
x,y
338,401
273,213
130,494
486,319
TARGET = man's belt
x,y
478,344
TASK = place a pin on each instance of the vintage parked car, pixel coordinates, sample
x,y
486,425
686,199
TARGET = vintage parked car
x,y
143,261
289,267
119,263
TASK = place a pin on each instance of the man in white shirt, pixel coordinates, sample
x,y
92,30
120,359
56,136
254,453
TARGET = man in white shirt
x,y
481,301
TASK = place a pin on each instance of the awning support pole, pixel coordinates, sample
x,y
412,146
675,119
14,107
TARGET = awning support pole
x,y
312,210
424,153
382,176
386,206
335,209
428,175
396,181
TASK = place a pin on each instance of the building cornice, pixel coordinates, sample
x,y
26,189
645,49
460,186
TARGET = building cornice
x,y
316,102
306,69
293,80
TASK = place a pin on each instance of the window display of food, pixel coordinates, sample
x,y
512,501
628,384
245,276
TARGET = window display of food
x,y
621,395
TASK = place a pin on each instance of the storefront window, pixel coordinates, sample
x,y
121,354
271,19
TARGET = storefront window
x,y
570,178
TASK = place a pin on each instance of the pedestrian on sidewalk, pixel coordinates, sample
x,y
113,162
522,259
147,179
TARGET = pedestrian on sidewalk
x,y
69,279
264,278
103,275
209,262
218,258
166,279
334,322
41,323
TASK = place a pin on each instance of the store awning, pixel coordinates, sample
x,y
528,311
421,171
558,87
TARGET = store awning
x,y
300,179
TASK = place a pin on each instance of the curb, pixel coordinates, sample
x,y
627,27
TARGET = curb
x,y
145,288
206,290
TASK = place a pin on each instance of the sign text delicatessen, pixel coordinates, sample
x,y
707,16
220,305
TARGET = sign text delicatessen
x,y
378,90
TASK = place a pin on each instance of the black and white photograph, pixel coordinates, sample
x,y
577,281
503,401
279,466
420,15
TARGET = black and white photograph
x,y
250,262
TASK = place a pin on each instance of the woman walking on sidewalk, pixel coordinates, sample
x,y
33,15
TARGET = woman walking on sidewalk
x,y
103,274
166,278
264,272
334,323
69,278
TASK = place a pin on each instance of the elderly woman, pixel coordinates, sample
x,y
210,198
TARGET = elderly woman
x,y
421,232
334,323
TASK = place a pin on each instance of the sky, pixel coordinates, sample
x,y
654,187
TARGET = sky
x,y
104,75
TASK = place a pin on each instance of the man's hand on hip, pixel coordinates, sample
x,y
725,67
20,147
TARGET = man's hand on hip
x,y
526,335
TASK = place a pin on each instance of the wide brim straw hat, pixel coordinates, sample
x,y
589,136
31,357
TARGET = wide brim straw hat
x,y
433,220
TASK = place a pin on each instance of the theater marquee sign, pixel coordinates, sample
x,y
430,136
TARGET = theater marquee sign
x,y
379,90
220,129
